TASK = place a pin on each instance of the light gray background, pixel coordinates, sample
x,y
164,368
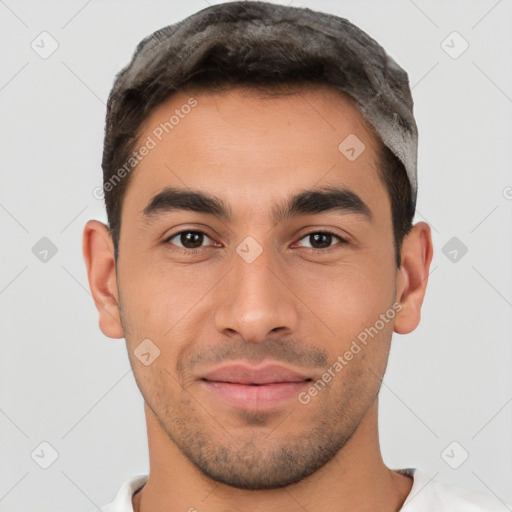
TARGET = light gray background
x,y
64,382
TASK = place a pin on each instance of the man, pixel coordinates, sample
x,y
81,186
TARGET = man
x,y
260,184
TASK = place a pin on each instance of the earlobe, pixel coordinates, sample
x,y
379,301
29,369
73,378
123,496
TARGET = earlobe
x,y
412,277
98,252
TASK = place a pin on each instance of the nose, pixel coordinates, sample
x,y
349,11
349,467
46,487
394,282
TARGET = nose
x,y
257,300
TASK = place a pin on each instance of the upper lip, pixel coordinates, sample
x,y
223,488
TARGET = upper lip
x,y
250,374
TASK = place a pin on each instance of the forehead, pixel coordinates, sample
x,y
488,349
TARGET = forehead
x,y
241,144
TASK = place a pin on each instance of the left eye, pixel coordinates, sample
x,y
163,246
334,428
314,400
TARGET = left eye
x,y
321,239
189,239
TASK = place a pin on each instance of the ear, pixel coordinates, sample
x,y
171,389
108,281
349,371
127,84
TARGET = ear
x,y
98,251
412,277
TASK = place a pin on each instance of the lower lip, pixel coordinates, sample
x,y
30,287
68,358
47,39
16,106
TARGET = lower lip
x,y
266,396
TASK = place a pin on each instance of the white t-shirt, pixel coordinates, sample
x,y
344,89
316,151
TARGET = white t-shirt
x,y
426,496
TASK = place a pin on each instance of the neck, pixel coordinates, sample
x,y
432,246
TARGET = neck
x,y
355,479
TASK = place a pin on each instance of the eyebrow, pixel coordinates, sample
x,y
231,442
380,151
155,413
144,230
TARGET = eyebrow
x,y
307,202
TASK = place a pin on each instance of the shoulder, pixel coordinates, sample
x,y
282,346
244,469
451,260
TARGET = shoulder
x,y
428,495
123,500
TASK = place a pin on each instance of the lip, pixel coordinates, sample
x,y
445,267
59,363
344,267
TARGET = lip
x,y
252,387
250,374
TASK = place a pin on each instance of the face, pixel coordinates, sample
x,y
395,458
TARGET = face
x,y
253,296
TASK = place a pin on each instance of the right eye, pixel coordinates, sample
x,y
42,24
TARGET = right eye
x,y
188,240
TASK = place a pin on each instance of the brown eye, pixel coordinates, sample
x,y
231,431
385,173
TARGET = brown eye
x,y
188,239
321,239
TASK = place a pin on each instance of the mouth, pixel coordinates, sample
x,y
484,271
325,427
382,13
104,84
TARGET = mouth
x,y
249,387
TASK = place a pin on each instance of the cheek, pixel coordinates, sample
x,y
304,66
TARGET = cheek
x,y
160,303
156,296
347,298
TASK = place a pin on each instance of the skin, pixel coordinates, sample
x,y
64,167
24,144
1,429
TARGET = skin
x,y
291,305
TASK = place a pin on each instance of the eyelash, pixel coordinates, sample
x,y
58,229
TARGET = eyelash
x,y
342,241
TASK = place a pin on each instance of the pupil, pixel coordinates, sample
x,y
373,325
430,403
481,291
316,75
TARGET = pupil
x,y
317,240
191,239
